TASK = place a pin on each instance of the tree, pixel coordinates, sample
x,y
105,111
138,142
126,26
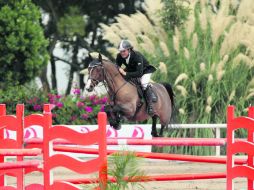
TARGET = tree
x,y
71,32
23,48
174,13
95,12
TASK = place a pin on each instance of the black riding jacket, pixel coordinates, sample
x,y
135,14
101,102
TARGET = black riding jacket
x,y
137,66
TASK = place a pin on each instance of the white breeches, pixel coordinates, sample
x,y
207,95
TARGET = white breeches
x,y
145,80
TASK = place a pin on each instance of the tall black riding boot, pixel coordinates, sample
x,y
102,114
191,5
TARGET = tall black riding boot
x,y
152,93
149,100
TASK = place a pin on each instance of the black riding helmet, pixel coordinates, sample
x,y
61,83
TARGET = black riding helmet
x,y
124,44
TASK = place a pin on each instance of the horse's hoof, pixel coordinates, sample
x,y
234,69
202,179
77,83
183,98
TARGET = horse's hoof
x,y
154,134
117,127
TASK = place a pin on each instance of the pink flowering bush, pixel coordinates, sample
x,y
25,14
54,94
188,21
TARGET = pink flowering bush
x,y
70,110
77,110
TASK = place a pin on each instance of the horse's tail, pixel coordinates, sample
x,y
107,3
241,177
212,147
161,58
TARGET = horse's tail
x,y
170,92
173,118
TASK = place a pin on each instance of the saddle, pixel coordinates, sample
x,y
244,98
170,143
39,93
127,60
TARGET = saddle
x,y
141,93
136,82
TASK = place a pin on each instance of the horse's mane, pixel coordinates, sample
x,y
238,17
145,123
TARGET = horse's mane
x,y
135,81
96,62
110,63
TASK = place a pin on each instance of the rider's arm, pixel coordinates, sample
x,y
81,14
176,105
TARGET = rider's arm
x,y
118,60
139,68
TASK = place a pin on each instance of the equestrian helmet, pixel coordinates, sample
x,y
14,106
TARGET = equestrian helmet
x,y
124,44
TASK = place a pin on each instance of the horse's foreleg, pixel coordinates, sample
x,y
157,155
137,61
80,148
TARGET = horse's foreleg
x,y
154,130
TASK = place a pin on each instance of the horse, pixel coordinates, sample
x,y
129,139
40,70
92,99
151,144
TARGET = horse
x,y
124,99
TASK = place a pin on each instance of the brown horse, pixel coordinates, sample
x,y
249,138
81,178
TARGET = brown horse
x,y
124,98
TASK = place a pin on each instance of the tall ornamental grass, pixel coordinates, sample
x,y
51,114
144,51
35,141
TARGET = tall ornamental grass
x,y
209,60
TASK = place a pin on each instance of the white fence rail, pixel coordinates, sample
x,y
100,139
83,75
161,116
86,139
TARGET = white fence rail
x,y
217,128
142,131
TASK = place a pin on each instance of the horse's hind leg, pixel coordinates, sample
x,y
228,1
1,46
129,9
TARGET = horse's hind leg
x,y
161,131
154,130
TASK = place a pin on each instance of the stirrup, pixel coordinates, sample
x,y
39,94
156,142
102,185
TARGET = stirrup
x,y
150,110
153,97
150,113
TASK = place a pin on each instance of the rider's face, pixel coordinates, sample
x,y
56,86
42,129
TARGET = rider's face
x,y
124,53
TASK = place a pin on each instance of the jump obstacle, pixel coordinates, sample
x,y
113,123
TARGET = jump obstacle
x,y
152,142
56,137
49,160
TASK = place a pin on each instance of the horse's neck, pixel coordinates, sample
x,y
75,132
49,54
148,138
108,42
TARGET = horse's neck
x,y
114,78
116,82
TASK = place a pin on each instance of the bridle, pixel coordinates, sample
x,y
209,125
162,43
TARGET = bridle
x,y
94,81
106,78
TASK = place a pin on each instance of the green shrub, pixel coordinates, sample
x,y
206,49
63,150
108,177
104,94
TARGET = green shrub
x,y
123,166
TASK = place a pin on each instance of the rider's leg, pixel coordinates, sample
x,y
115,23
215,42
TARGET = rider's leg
x,y
145,82
148,92
145,79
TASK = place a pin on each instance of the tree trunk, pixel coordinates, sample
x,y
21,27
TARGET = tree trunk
x,y
73,69
53,74
44,80
71,75
81,82
52,42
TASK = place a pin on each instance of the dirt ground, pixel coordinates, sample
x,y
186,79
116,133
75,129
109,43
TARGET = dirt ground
x,y
160,167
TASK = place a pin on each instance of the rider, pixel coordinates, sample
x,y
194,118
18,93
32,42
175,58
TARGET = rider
x,y
136,67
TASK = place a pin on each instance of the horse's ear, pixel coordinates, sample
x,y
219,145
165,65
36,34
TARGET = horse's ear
x,y
100,57
90,57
